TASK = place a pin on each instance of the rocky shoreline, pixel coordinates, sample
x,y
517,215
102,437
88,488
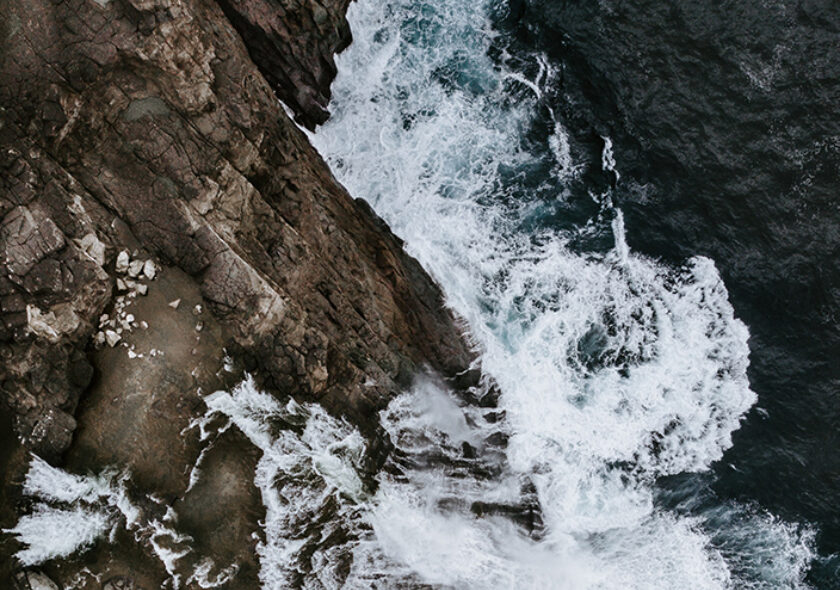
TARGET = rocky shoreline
x,y
162,216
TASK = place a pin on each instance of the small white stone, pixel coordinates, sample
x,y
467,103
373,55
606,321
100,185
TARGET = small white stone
x,y
144,324
149,269
175,304
142,289
134,268
103,319
36,581
94,248
119,330
129,318
122,262
112,338
99,339
199,326
121,286
197,309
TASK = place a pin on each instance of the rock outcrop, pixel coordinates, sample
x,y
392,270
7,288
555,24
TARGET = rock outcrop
x,y
151,126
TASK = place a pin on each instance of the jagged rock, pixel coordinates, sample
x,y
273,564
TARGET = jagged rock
x,y
135,267
112,337
32,580
94,248
119,583
123,260
293,44
147,125
149,269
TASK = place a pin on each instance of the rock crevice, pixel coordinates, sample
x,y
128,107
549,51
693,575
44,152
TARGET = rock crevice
x,y
154,126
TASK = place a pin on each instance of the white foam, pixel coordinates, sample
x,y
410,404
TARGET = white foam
x,y
613,369
50,532
306,473
76,511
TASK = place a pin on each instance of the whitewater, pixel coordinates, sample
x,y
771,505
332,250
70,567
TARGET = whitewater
x,y
613,370
605,371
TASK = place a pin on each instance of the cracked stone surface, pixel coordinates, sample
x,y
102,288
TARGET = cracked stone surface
x,y
151,126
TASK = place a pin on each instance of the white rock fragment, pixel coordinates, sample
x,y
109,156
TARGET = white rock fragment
x,y
121,286
144,324
99,339
141,289
36,581
149,269
122,262
134,268
112,338
199,326
103,319
129,318
197,309
175,304
93,248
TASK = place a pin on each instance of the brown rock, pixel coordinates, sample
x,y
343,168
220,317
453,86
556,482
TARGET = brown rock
x,y
149,126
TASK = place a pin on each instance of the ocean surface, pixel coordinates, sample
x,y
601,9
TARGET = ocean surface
x,y
634,205
631,204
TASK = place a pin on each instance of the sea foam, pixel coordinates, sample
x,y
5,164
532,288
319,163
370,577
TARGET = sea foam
x,y
613,369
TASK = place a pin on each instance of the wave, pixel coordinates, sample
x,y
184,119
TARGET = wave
x,y
614,370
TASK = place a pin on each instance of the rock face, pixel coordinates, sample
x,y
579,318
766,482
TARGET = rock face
x,y
149,125
293,43
146,120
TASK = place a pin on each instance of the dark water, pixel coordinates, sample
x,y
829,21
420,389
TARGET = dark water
x,y
726,124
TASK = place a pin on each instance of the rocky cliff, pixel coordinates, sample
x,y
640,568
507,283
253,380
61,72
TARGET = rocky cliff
x,y
160,211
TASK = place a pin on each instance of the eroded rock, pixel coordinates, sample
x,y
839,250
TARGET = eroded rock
x,y
142,140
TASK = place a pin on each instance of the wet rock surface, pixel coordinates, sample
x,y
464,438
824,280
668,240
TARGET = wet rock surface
x,y
158,211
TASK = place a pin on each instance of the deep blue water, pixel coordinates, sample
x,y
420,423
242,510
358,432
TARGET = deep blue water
x,y
725,118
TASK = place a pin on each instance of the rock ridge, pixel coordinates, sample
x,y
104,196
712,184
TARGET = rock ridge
x,y
152,130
